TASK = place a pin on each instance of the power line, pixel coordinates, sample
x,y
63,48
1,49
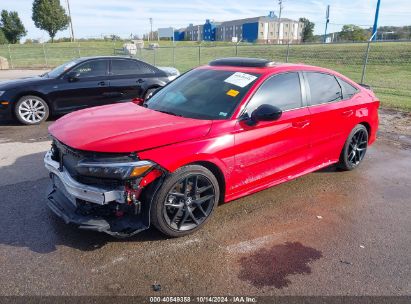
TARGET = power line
x,y
341,24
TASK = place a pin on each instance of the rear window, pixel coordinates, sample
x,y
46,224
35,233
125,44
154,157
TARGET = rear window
x,y
348,90
130,67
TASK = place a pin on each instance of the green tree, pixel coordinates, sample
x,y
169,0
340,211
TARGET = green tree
x,y
11,26
351,32
308,30
50,16
3,39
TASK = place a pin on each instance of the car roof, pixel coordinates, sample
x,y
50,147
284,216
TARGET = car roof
x,y
83,59
242,62
262,66
105,57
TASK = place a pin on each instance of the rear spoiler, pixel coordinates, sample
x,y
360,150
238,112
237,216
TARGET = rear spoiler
x,y
366,86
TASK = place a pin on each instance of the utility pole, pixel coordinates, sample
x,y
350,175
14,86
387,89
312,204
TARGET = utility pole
x,y
71,20
327,20
375,27
280,3
151,29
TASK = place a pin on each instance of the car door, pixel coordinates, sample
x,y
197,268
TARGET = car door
x,y
331,117
273,150
129,79
85,85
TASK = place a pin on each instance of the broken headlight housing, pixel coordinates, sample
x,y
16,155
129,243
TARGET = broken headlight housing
x,y
114,170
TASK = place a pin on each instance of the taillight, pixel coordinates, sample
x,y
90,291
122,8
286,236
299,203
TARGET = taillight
x,y
138,101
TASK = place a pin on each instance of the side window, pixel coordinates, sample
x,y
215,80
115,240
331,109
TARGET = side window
x,y
94,68
348,90
129,67
323,88
282,91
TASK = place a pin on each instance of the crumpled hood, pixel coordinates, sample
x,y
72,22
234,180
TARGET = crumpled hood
x,y
125,128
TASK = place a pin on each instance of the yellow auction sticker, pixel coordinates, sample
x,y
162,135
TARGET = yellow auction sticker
x,y
232,93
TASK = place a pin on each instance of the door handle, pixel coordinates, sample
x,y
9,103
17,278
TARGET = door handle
x,y
140,80
101,83
347,113
301,124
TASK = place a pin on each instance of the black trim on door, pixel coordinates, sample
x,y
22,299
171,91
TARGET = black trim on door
x,y
303,88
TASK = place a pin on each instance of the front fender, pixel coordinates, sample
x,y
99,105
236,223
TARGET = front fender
x,y
217,150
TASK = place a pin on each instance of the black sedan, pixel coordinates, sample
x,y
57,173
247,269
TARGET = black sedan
x,y
81,83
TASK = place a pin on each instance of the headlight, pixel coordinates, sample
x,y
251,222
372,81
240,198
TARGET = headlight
x,y
123,170
2,92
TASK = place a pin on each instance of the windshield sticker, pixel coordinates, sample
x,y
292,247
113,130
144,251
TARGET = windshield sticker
x,y
232,93
223,114
240,79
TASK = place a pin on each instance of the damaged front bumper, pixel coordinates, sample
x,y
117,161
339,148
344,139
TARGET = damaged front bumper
x,y
102,209
76,190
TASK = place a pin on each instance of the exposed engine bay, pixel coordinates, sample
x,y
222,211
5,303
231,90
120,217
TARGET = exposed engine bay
x,y
104,192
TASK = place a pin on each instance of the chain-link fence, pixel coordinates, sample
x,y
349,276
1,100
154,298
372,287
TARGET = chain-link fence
x,y
388,68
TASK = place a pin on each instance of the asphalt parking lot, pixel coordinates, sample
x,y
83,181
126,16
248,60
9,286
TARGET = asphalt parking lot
x,y
327,233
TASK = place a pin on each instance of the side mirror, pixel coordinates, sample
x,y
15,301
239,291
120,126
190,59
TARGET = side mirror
x,y
264,112
72,76
138,101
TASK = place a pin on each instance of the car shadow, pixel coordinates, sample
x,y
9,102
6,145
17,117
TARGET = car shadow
x,y
16,123
26,221
330,169
13,131
9,122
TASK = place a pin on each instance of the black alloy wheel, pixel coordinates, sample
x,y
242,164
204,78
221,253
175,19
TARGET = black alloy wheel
x,y
354,149
149,93
185,201
189,202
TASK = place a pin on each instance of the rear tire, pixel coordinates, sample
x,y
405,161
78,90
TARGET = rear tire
x,y
354,149
31,110
185,201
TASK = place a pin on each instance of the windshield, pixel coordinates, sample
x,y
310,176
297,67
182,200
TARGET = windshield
x,y
203,94
61,68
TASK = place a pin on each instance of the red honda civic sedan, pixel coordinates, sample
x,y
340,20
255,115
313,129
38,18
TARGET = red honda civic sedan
x,y
215,134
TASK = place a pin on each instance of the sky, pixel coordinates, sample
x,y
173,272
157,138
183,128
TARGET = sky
x,y
94,18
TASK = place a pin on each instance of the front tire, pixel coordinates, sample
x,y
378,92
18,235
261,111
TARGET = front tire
x,y
185,201
354,148
149,92
31,110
